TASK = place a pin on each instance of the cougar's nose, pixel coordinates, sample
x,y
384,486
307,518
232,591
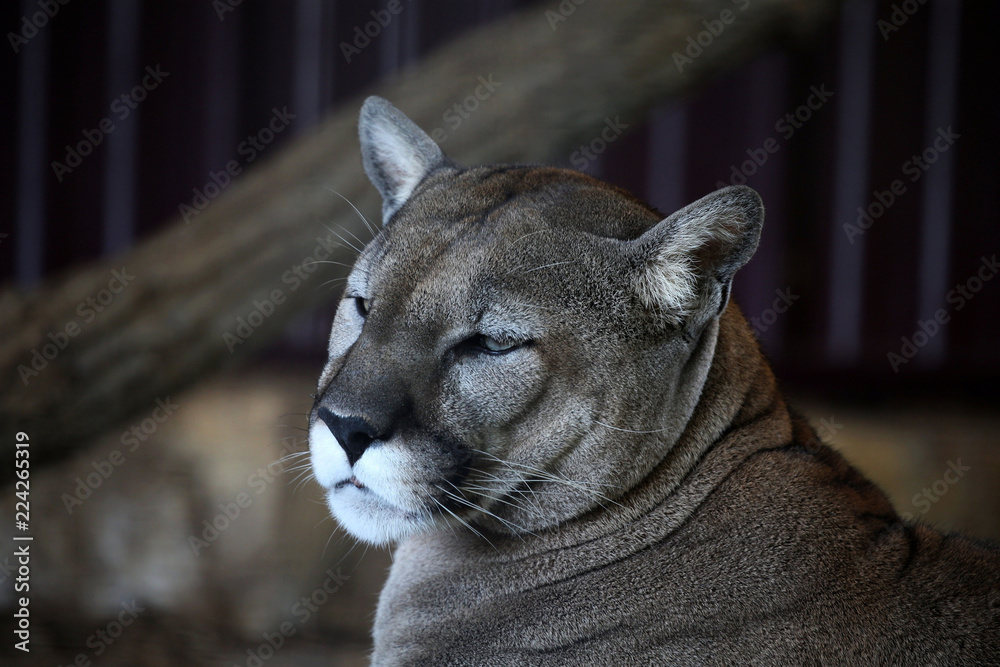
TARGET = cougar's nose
x,y
353,433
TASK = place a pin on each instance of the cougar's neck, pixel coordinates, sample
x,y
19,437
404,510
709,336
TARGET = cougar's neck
x,y
739,410
739,393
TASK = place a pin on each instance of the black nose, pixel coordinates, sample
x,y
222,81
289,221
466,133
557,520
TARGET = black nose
x,y
353,433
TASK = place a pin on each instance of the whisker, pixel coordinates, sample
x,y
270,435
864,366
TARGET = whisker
x,y
328,261
301,484
484,492
371,228
464,523
361,558
293,427
349,551
301,479
513,486
548,266
627,430
359,240
546,475
349,244
467,503
328,282
516,529
290,457
524,236
327,545
514,483
585,488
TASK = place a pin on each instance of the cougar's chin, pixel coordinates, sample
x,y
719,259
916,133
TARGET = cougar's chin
x,y
371,518
375,500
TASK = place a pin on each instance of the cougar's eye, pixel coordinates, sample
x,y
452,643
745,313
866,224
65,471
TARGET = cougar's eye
x,y
492,345
362,306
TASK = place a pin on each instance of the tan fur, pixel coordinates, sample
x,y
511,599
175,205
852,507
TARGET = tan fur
x,y
622,483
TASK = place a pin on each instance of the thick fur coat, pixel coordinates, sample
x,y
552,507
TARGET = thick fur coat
x,y
540,391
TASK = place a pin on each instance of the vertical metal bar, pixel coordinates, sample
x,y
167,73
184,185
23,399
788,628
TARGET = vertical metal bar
x,y
665,169
309,91
222,62
307,87
942,85
32,145
390,43
855,67
119,170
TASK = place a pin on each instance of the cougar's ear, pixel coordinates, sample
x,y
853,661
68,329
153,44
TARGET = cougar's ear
x,y
688,259
396,153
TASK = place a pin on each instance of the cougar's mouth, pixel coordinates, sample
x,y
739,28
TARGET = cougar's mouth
x,y
390,492
351,480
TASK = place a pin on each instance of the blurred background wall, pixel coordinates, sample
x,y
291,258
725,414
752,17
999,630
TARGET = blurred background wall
x,y
873,145
887,92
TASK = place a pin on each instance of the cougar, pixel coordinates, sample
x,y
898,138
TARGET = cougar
x,y
539,391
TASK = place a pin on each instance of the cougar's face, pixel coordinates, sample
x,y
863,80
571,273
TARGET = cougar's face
x,y
470,355
518,345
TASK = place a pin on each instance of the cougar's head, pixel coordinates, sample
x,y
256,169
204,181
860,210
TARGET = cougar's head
x,y
518,345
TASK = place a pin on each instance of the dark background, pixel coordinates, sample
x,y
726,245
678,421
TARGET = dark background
x,y
892,91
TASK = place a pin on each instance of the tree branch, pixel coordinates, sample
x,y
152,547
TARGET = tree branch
x,y
167,319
